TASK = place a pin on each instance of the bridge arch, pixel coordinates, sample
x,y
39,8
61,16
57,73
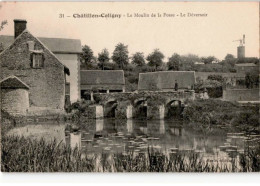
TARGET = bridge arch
x,y
140,107
173,108
110,108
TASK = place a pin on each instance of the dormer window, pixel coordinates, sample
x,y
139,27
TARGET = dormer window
x,y
37,56
37,59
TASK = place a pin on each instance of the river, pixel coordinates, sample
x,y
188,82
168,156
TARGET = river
x,y
135,136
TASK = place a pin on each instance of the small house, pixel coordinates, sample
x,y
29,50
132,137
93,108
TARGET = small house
x,y
66,50
247,68
166,80
101,81
30,63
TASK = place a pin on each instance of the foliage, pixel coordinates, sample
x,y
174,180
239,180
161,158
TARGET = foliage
x,y
86,57
103,58
208,60
252,80
216,77
229,57
80,106
188,62
3,23
155,59
213,85
174,62
138,59
120,55
204,114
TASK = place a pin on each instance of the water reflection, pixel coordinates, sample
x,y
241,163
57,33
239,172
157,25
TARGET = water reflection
x,y
129,125
135,136
75,140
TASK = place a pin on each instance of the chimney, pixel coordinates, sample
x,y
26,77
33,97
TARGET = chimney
x,y
19,27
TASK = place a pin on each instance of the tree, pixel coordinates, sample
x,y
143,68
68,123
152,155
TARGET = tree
x,y
174,62
208,60
86,57
229,57
120,55
138,59
155,59
103,58
3,23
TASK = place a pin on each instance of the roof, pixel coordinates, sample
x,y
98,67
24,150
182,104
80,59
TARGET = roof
x,y
246,65
102,77
223,74
13,82
56,45
166,80
66,69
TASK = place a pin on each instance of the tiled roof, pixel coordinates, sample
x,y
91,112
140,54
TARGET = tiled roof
x,y
166,79
102,77
56,45
13,82
66,69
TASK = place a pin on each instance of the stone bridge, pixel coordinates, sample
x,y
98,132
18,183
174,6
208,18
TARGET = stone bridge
x,y
145,104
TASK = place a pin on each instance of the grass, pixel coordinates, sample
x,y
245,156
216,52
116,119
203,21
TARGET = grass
x,y
21,154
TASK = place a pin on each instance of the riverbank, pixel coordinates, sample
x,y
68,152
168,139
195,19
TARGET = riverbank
x,y
205,114
21,154
26,154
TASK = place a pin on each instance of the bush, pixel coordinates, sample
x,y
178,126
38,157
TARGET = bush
x,y
216,112
216,77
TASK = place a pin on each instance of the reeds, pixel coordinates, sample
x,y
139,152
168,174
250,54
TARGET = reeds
x,y
20,154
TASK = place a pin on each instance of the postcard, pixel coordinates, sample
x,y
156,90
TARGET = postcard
x,y
129,86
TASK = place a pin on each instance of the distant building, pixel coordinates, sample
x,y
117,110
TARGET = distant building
x,y
165,80
66,50
199,63
241,52
246,68
102,81
27,61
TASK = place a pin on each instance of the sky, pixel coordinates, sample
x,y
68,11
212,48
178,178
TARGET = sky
x,y
203,36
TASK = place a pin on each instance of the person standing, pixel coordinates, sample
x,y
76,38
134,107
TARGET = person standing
x,y
176,86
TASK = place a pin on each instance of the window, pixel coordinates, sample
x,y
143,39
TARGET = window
x,y
37,60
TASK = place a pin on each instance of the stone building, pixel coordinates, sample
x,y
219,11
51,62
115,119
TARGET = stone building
x,y
35,65
14,96
101,81
66,50
247,68
165,80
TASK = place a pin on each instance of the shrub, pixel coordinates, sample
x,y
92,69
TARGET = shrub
x,y
216,77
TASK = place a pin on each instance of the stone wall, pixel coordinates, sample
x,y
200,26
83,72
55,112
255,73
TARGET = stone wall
x,y
47,84
164,96
128,103
72,62
241,95
15,101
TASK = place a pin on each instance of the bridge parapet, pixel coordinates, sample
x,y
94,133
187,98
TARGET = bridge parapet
x,y
156,104
164,96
